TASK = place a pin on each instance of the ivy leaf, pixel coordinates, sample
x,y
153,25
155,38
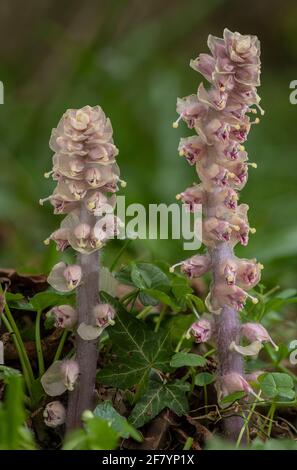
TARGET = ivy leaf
x,y
17,301
182,359
119,423
138,350
148,276
143,276
158,396
43,300
160,297
277,384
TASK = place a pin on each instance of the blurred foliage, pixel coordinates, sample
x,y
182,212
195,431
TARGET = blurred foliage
x,y
14,434
133,57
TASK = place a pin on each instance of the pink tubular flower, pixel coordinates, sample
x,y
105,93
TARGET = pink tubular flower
x,y
54,414
65,278
192,196
256,332
195,266
231,383
65,316
104,315
201,330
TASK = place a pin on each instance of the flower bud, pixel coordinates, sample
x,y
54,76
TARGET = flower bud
x,y
201,330
54,414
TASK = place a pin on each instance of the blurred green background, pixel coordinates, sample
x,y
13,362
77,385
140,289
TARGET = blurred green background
x,y
132,58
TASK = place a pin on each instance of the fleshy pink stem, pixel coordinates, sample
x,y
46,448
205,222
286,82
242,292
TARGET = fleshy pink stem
x,y
82,397
227,329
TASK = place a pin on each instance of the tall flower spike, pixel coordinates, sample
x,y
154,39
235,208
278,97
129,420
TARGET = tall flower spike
x,y
220,116
87,176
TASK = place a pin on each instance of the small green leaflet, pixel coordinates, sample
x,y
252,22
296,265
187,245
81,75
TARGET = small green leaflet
x,y
277,384
138,350
143,276
158,396
96,434
204,378
229,399
119,423
182,359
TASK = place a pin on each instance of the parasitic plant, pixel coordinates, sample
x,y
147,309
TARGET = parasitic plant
x,y
220,116
87,177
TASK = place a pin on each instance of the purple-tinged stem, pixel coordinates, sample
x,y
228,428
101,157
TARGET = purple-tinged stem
x,y
227,328
82,398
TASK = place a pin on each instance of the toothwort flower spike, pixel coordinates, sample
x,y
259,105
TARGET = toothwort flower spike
x,y
220,116
87,175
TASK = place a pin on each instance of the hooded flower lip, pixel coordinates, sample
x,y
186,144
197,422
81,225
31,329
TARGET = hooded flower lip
x,y
70,371
252,349
54,414
65,278
59,377
204,64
